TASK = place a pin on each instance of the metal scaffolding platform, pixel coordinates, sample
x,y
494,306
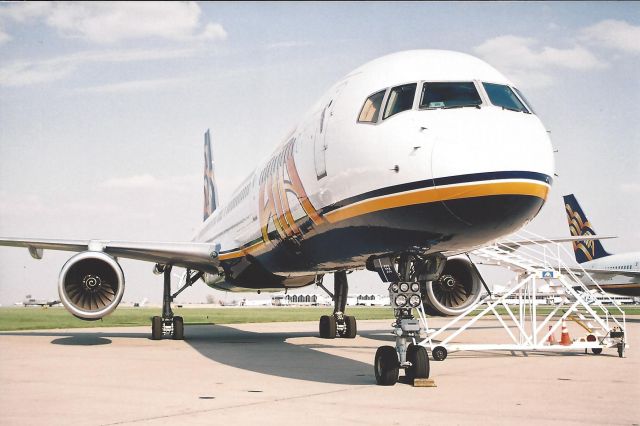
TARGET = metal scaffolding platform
x,y
542,272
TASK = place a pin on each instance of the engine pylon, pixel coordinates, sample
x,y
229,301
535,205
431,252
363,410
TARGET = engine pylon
x,y
565,339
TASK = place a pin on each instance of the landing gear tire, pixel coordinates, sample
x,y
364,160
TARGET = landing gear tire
x,y
387,366
621,350
328,327
596,351
417,356
156,328
439,353
178,328
351,327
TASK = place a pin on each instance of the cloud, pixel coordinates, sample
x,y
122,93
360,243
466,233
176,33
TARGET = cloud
x,y
111,22
528,63
24,11
288,44
185,183
630,187
23,73
4,37
613,34
136,86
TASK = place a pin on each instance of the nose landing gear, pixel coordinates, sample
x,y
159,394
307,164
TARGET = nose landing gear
x,y
404,294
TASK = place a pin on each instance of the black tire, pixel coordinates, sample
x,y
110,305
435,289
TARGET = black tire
x,y
351,330
596,351
439,353
621,350
178,328
328,327
417,356
387,366
156,328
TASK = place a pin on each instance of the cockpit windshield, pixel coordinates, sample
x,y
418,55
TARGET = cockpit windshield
x,y
502,96
449,95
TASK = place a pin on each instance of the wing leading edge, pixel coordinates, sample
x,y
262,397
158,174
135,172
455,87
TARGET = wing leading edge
x,y
200,256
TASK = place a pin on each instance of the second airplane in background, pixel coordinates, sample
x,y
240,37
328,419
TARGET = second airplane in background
x,y
614,273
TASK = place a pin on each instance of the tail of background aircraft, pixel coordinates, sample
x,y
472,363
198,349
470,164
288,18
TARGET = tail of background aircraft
x,y
210,190
579,225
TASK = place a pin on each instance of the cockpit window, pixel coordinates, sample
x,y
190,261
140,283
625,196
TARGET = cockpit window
x,y
525,100
502,96
371,108
400,99
449,95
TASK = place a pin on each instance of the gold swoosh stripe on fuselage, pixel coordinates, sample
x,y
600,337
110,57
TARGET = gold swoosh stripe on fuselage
x,y
434,194
423,196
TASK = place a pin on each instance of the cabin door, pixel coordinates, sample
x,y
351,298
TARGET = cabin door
x,y
320,142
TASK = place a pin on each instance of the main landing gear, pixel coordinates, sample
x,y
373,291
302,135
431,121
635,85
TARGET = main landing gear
x,y
168,324
405,295
338,324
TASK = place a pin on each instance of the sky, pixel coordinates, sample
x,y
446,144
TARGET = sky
x,y
103,107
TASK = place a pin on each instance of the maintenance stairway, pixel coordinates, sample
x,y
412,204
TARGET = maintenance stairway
x,y
542,274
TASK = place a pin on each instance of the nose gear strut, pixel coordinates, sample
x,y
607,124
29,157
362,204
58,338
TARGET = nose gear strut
x,y
404,294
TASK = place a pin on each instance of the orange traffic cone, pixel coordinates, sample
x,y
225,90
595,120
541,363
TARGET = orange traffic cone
x,y
564,338
552,339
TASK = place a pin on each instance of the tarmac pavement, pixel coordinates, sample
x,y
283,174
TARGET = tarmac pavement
x,y
282,373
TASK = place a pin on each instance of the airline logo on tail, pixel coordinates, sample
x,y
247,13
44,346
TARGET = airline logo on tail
x,y
579,225
210,192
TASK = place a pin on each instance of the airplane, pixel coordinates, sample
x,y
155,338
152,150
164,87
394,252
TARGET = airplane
x,y
409,160
31,301
614,273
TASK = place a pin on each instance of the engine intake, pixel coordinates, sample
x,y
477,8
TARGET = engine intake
x,y
91,285
457,288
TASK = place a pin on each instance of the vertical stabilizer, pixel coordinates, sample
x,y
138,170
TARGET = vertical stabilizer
x,y
210,190
579,225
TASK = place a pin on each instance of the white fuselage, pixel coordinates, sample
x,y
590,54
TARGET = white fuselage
x,y
341,179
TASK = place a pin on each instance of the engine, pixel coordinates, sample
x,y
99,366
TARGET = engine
x,y
457,288
91,285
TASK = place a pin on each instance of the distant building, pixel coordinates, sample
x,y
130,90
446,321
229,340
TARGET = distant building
x,y
325,300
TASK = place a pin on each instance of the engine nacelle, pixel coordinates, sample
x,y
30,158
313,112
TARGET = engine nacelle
x,y
91,285
457,288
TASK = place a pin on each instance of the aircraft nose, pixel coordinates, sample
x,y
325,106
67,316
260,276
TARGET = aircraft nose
x,y
492,167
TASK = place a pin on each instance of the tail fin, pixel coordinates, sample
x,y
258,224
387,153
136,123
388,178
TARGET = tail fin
x,y
579,225
210,190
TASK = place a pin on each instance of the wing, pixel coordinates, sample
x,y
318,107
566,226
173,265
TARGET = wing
x,y
603,274
514,245
200,256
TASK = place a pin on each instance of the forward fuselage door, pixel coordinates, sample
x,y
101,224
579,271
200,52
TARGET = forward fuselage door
x,y
320,142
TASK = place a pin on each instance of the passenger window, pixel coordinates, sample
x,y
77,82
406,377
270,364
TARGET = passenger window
x,y
502,96
449,95
371,108
400,99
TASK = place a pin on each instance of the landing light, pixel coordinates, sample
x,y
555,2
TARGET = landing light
x,y
401,300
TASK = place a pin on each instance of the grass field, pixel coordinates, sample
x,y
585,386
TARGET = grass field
x,y
48,318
